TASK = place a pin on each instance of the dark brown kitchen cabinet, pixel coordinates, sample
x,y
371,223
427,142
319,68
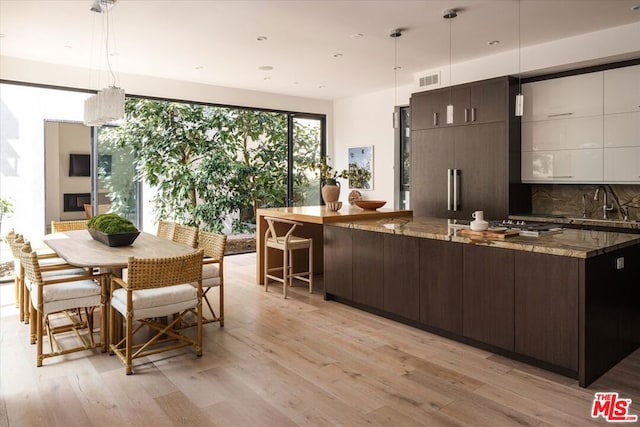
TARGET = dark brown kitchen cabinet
x,y
368,268
473,164
488,295
338,278
473,103
456,171
441,285
546,308
401,276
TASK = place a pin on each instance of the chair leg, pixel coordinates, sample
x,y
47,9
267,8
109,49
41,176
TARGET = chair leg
x,y
39,322
16,283
285,271
221,315
33,323
266,268
129,337
20,299
311,268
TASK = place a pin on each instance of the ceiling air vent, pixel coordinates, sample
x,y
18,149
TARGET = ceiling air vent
x,y
430,80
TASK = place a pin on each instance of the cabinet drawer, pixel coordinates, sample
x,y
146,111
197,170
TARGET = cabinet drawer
x,y
622,90
573,96
581,132
622,130
562,166
622,164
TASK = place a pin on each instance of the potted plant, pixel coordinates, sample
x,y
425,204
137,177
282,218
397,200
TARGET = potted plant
x,y
6,209
112,229
328,176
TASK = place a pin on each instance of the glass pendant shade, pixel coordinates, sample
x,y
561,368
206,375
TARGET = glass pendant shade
x,y
519,105
104,107
450,114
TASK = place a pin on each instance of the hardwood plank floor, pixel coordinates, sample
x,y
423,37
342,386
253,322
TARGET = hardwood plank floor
x,y
300,361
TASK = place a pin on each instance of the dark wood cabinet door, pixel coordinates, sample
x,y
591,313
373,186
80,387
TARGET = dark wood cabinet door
x,y
441,285
428,109
488,295
481,157
368,268
431,156
337,262
401,276
459,98
488,101
546,308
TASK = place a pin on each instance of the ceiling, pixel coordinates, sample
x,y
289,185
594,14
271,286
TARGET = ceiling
x,y
311,45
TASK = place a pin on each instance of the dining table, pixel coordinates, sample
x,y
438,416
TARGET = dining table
x,y
79,249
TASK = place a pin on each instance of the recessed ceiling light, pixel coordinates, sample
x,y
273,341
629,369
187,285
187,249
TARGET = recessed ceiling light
x,y
356,35
67,46
266,78
337,55
397,67
199,67
114,54
636,7
321,87
493,42
265,68
261,38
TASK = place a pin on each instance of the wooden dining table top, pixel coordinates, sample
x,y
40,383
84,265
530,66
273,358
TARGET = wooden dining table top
x,y
79,249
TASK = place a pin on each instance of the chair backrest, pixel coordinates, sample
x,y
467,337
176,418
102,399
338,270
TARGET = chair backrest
x,y
16,245
101,210
145,273
61,226
186,235
166,229
213,244
29,261
273,230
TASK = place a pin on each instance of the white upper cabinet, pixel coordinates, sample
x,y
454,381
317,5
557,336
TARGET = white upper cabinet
x,y
563,98
562,166
622,90
568,134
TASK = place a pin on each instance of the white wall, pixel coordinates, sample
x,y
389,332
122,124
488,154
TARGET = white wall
x,y
363,121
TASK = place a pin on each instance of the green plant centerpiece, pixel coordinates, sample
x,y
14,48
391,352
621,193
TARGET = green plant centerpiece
x,y
328,176
112,230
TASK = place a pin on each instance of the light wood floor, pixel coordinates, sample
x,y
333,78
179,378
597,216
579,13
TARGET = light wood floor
x,y
301,361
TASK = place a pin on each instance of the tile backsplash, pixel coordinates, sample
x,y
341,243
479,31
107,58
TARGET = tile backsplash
x,y
567,200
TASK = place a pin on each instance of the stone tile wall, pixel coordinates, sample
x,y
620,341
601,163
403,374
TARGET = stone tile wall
x,y
567,200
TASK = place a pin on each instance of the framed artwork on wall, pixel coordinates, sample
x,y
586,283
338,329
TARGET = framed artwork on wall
x,y
361,168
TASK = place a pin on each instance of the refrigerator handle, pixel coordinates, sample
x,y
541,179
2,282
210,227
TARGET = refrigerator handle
x,y
456,184
449,176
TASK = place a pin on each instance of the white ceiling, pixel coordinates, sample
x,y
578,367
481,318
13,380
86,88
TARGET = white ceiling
x,y
215,41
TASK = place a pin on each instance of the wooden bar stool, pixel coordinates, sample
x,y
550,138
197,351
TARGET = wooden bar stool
x,y
286,243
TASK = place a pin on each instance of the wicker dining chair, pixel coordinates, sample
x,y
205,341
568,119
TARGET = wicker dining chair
x,y
186,235
166,229
62,226
213,245
156,288
66,295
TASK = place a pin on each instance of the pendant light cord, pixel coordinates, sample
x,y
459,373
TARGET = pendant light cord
x,y
450,82
519,51
395,72
113,76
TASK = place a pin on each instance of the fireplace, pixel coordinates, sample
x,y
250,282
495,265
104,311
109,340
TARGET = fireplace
x,y
74,202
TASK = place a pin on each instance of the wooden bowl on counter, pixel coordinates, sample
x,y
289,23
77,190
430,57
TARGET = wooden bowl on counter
x,y
370,204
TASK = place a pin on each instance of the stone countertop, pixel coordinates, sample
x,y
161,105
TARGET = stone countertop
x,y
571,242
625,225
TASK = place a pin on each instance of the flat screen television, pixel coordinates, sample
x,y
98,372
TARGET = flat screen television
x,y
79,165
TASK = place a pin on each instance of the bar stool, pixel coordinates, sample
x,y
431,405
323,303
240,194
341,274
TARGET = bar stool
x,y
287,243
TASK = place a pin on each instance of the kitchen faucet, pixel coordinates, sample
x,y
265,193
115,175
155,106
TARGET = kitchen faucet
x,y
605,208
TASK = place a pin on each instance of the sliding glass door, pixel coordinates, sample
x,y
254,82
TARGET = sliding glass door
x,y
306,145
115,187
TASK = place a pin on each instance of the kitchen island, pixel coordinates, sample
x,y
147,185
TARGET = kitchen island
x,y
313,218
567,302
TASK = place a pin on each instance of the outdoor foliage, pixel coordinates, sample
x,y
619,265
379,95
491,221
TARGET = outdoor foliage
x,y
207,162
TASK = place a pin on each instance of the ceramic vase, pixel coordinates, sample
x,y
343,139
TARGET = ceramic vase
x,y
330,191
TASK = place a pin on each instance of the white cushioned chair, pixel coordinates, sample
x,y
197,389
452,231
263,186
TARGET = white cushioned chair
x,y
65,294
156,288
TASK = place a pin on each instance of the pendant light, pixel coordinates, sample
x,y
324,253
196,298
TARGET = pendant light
x,y
449,15
519,96
108,104
395,34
